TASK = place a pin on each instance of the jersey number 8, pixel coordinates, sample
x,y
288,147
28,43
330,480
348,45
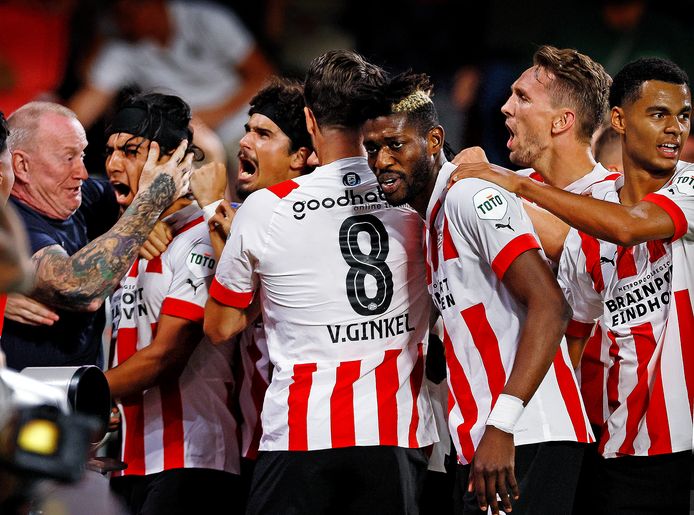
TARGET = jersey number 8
x,y
363,265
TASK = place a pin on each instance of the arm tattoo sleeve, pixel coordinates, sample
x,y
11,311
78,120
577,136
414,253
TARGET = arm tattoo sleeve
x,y
82,281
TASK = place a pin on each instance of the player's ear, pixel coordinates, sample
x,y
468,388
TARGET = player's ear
x,y
617,119
311,124
563,121
435,139
299,159
20,165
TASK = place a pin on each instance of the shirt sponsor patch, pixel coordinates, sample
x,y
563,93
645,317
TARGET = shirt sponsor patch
x,y
201,261
685,183
490,204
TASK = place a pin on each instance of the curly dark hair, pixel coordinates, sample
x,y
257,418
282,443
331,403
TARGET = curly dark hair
x,y
626,87
284,98
339,85
156,117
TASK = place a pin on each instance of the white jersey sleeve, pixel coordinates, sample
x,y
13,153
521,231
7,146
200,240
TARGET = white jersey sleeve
x,y
236,279
111,69
677,199
578,288
492,220
190,283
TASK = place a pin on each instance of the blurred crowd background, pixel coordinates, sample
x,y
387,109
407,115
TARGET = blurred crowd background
x,y
473,51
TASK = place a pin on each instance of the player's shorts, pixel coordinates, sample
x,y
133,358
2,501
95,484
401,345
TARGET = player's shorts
x,y
546,473
179,492
352,480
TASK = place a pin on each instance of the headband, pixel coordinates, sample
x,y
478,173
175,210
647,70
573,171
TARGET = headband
x,y
297,133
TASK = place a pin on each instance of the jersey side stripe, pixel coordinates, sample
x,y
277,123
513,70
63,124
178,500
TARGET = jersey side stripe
x,y
685,318
591,250
656,416
133,412
612,387
172,415
626,266
592,378
569,392
297,403
258,388
342,404
433,242
387,384
488,346
449,250
461,391
416,380
637,400
154,266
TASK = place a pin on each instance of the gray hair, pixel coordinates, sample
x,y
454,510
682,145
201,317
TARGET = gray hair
x,y
25,120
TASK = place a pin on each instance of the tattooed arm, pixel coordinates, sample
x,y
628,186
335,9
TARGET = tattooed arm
x,y
82,281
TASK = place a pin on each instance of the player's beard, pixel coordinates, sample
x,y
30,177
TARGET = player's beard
x,y
528,154
416,181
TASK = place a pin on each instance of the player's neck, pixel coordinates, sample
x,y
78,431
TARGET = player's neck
x,y
421,202
639,182
563,166
333,144
176,206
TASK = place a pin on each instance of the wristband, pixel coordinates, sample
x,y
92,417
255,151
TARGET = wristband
x,y
506,413
210,209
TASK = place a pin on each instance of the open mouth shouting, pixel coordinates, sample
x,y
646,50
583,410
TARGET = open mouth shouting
x,y
248,168
123,192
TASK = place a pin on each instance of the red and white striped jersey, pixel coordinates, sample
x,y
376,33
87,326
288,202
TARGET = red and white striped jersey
x,y
582,186
592,371
644,296
339,272
186,422
475,231
252,372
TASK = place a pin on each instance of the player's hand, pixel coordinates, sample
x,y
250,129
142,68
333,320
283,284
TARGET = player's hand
x,y
29,311
157,241
492,471
470,155
220,225
489,172
178,166
208,183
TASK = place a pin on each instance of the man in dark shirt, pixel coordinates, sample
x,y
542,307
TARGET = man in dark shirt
x,y
63,210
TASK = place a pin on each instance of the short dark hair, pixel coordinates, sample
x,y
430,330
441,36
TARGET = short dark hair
x,y
578,82
338,86
626,86
4,132
282,100
156,117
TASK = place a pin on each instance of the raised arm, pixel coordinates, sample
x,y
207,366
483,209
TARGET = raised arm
x,y
608,221
82,281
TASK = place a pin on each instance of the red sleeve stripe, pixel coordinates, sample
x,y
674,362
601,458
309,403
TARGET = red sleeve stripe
x,y
283,188
228,297
673,211
511,251
578,329
182,309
